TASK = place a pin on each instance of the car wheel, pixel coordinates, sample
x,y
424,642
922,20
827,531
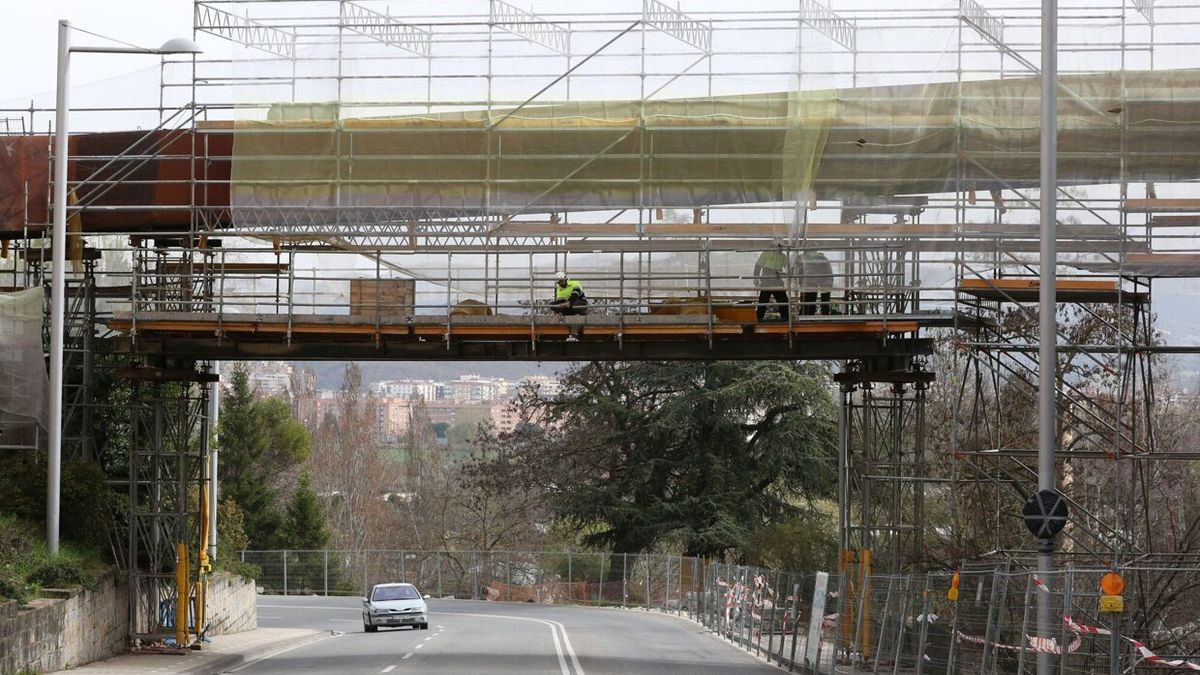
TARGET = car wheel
x,y
424,626
369,628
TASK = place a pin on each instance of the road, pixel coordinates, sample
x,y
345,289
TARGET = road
x,y
484,637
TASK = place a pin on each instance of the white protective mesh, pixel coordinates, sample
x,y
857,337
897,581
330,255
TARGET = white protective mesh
x,y
23,380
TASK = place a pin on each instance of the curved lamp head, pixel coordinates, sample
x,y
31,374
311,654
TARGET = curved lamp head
x,y
180,45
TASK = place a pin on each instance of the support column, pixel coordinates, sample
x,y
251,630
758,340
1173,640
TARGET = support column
x,y
1048,329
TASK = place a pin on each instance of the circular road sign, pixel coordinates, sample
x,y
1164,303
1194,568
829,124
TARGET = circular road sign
x,y
1045,513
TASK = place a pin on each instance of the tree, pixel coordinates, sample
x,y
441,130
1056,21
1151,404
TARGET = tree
x,y
305,526
349,472
497,496
288,441
244,477
421,449
304,532
261,443
694,455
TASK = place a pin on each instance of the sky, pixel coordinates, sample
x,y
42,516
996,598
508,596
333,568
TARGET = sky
x,y
29,40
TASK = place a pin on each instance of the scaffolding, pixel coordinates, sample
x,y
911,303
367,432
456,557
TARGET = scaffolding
x,y
350,183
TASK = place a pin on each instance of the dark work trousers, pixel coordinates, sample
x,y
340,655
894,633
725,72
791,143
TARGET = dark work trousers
x,y
809,303
765,296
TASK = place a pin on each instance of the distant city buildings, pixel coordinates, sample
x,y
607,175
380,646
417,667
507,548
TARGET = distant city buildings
x,y
504,416
468,399
269,378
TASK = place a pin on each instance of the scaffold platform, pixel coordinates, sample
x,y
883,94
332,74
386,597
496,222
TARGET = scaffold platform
x,y
279,336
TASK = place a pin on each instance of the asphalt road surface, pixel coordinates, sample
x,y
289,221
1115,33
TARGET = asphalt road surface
x,y
487,637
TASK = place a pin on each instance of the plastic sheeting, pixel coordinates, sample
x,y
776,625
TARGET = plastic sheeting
x,y
23,380
697,152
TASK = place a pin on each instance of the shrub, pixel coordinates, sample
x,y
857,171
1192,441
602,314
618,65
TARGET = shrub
x,y
86,500
26,563
14,587
62,572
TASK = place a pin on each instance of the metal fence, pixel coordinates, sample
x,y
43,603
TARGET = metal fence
x,y
839,622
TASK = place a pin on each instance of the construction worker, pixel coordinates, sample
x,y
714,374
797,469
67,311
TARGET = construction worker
x,y
816,282
569,299
769,276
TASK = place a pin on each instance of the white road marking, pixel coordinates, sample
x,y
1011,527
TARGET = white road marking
x,y
428,638
554,627
570,649
277,653
344,609
389,669
406,656
418,646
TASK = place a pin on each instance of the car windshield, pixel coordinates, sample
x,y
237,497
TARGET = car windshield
x,y
395,593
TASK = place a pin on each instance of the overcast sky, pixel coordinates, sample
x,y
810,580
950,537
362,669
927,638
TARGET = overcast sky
x,y
29,38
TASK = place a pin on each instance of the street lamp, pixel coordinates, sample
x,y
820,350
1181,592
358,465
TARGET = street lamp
x,y
58,247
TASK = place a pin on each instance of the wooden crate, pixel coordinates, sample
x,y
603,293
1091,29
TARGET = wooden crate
x,y
390,297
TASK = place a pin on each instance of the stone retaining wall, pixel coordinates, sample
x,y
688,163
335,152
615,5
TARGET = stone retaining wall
x,y
232,604
81,626
55,634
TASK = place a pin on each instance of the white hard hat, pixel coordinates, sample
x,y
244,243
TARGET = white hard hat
x,y
560,276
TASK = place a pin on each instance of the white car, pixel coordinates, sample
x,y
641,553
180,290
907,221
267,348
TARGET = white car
x,y
395,605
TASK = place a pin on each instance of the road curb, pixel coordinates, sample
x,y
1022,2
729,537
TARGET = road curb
x,y
258,652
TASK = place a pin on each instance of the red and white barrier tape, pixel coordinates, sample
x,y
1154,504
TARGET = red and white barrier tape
x,y
1043,645
1141,648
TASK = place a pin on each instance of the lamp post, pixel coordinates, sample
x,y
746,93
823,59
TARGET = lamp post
x,y
58,247
1047,328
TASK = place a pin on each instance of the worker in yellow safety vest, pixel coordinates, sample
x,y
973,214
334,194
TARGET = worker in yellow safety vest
x,y
769,276
569,299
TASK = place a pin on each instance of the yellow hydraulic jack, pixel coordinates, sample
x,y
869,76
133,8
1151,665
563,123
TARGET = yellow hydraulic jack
x,y
856,628
187,595
181,595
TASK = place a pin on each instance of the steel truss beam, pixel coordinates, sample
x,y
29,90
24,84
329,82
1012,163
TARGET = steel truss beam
x,y
678,25
530,27
385,29
245,31
829,24
1146,9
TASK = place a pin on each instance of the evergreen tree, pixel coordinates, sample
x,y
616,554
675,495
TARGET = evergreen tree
x,y
244,475
305,525
690,454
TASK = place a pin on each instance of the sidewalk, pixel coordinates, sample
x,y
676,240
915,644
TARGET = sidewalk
x,y
225,652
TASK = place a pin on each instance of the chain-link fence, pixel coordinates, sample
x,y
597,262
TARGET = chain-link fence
x,y
840,622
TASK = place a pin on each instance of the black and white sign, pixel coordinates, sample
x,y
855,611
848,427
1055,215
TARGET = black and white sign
x,y
1045,513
